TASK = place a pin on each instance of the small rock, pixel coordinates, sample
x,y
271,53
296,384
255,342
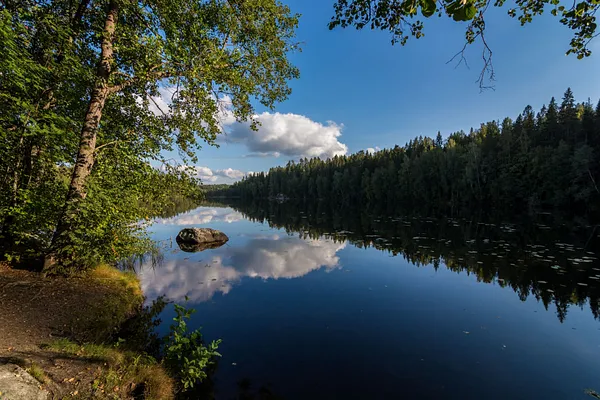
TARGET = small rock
x,y
199,239
17,384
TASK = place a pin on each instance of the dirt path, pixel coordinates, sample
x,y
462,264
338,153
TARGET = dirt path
x,y
35,310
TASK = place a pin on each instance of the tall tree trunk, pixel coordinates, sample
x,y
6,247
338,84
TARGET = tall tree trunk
x,y
13,178
87,144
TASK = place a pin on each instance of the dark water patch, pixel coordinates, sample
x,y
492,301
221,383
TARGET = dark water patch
x,y
317,304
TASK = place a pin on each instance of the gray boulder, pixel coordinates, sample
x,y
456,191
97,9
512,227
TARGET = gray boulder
x,y
17,384
198,239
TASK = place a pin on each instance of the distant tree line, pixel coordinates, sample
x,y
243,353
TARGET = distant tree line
x,y
539,162
218,189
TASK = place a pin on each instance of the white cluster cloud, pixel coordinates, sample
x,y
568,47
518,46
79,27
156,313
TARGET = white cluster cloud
x,y
230,173
209,175
204,173
264,258
292,135
372,150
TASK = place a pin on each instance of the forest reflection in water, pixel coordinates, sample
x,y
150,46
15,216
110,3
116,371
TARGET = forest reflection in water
x,y
557,264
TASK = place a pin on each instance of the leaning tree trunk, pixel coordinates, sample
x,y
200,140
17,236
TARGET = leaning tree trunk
x,y
87,145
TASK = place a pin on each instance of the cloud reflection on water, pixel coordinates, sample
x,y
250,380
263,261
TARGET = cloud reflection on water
x,y
218,270
201,216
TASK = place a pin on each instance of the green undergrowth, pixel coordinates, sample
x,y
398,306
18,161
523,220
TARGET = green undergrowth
x,y
185,352
102,319
38,373
118,333
125,373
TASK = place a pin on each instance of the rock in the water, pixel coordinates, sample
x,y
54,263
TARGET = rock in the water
x,y
190,247
17,384
201,236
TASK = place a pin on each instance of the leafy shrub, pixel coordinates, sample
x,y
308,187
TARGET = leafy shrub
x,y
185,354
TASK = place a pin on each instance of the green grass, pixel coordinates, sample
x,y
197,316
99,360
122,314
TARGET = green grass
x,y
37,372
124,280
123,371
126,366
96,352
100,320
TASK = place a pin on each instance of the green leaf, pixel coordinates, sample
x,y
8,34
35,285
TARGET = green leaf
x,y
470,12
428,7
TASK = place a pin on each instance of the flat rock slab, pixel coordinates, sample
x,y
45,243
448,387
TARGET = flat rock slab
x,y
17,384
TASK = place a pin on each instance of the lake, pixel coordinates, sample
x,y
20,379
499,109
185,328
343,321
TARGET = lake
x,y
315,303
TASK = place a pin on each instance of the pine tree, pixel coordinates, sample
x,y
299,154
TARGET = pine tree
x,y
439,141
550,128
567,117
521,166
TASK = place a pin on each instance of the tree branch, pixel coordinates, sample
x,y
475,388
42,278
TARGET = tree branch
x,y
110,143
157,106
156,76
593,181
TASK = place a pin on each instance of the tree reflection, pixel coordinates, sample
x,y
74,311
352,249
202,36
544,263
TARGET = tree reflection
x,y
245,390
555,264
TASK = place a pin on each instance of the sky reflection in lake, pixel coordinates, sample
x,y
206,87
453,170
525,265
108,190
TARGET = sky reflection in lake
x,y
200,275
319,317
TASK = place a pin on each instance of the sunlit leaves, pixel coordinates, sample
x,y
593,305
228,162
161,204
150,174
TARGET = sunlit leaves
x,y
428,7
461,10
186,55
186,354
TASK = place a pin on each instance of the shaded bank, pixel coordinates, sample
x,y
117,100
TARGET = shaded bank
x,y
65,330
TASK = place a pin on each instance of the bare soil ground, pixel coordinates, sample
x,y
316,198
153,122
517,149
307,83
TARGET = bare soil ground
x,y
35,310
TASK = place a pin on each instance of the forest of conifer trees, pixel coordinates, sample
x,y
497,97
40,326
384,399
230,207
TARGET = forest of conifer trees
x,y
539,162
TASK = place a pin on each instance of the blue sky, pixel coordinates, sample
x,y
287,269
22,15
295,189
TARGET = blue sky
x,y
379,95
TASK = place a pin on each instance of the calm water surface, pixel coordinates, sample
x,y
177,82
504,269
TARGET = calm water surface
x,y
387,308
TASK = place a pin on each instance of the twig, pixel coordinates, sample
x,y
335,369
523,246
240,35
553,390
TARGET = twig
x,y
36,296
590,238
157,106
461,53
113,142
593,181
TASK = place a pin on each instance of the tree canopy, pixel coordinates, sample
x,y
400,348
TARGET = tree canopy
x,y
93,92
